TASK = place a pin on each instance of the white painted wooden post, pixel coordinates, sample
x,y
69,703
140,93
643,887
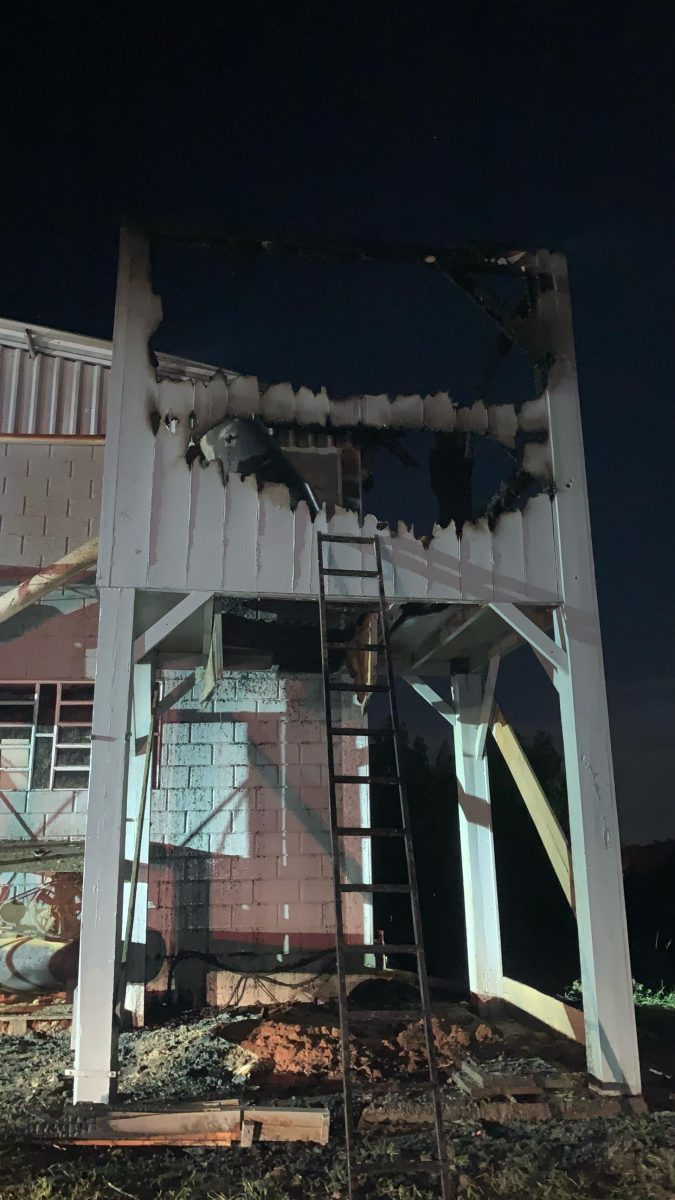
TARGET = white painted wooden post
x,y
134,1002
124,552
611,1043
481,906
95,1033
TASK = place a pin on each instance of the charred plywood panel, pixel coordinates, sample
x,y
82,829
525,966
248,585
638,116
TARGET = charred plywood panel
x,y
165,527
341,556
368,562
508,557
276,529
128,478
444,564
170,515
206,538
541,575
240,564
206,541
303,542
387,556
476,561
410,561
320,525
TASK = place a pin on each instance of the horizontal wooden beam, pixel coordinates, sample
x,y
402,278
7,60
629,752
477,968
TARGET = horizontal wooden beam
x,y
546,823
165,625
448,632
554,1013
46,439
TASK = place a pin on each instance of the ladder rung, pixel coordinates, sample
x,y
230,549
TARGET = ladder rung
x,y
362,831
397,1166
352,731
358,687
375,887
71,767
379,948
344,537
349,574
358,646
366,779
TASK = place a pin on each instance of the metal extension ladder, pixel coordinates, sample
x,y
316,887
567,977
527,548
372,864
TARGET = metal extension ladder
x,y
358,1172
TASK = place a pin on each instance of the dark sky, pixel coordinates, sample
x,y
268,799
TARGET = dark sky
x,y
533,124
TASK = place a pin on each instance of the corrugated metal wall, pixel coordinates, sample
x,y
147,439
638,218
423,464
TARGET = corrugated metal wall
x,y
49,396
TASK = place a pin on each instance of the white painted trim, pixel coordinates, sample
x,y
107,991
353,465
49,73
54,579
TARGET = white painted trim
x,y
606,976
95,1044
427,693
481,904
531,633
487,706
170,621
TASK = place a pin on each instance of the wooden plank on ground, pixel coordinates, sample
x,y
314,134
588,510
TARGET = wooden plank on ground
x,y
289,1124
218,1123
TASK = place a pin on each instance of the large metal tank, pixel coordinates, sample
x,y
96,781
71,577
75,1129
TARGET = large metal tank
x,y
30,963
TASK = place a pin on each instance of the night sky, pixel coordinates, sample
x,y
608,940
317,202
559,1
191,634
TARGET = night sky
x,y
398,123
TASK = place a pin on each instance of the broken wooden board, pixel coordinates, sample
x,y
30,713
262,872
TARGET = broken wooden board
x,y
287,1124
214,1123
479,1082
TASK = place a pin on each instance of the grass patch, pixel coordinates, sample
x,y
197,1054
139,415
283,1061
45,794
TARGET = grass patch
x,y
643,996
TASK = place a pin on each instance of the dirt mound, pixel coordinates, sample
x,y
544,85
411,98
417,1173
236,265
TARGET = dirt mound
x,y
451,1045
291,1050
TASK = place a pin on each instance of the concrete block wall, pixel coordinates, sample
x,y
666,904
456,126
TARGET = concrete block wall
x,y
54,640
40,815
240,827
50,500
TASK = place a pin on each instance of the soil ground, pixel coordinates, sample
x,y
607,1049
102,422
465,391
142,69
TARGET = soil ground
x,y
291,1055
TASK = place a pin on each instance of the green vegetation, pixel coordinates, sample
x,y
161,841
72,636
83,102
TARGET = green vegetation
x,y
643,996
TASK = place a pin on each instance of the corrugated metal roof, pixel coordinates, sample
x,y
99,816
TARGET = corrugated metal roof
x,y
51,396
55,384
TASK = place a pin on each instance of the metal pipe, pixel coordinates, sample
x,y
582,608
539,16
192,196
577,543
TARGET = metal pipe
x,y
49,578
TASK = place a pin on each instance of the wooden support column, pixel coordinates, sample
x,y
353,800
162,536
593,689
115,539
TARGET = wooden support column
x,y
134,1002
481,907
611,1043
95,1032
